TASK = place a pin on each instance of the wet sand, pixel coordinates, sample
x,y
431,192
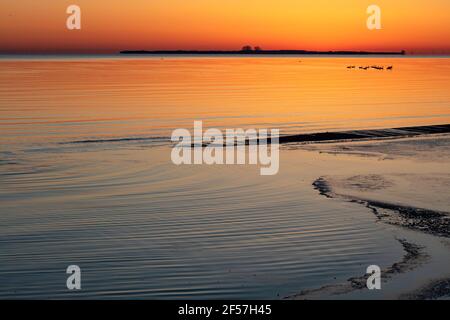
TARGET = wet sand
x,y
354,135
414,256
367,134
417,202
425,220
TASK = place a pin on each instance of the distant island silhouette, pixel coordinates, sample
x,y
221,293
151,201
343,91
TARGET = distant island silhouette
x,y
248,50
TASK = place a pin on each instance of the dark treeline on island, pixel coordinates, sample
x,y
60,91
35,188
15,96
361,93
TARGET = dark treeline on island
x,y
248,50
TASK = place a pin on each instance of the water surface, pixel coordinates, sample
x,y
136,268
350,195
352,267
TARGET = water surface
x,y
141,227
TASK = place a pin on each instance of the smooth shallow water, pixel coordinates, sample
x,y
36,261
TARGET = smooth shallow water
x,y
141,227
71,99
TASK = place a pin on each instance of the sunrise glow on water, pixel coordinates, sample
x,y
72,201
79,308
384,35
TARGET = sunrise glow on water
x,y
67,99
121,177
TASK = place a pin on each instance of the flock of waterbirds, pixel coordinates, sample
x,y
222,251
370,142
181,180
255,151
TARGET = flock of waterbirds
x,y
371,67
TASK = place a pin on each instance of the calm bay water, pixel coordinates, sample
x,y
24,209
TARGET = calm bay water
x,y
140,227
77,99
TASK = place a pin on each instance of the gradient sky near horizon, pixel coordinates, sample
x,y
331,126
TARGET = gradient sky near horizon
x,y
30,26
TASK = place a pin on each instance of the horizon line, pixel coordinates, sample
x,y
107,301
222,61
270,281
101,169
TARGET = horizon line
x,y
218,51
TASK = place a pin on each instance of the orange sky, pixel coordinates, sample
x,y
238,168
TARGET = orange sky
x,y
420,26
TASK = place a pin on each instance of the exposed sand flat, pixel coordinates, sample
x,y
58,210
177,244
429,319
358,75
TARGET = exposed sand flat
x,y
367,134
418,190
425,186
414,257
434,148
422,274
407,186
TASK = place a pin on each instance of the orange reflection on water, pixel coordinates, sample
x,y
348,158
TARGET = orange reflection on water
x,y
72,98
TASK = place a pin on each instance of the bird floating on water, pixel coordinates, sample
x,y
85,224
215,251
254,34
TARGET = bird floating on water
x,y
371,67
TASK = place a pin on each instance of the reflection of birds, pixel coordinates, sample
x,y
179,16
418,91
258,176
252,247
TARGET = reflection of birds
x,y
389,68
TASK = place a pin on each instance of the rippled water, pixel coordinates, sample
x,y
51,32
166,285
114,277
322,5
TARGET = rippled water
x,y
68,99
141,227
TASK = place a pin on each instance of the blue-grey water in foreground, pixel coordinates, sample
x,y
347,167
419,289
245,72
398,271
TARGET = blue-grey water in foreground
x,y
141,227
